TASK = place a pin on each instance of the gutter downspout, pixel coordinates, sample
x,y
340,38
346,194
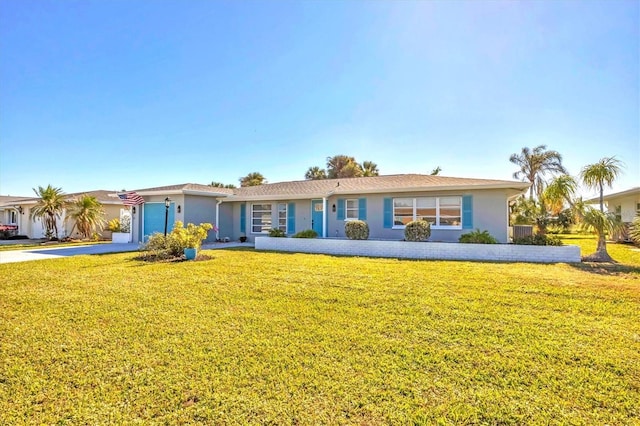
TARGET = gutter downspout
x,y
218,219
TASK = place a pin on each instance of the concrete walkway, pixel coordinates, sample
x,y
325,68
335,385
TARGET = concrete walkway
x,y
12,256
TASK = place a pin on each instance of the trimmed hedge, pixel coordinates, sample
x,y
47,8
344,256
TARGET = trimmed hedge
x,y
356,230
417,230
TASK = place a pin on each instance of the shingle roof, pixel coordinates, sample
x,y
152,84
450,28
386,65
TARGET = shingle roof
x,y
105,197
375,184
186,188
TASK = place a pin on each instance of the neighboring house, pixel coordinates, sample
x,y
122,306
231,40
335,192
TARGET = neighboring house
x,y
625,205
9,214
387,203
19,209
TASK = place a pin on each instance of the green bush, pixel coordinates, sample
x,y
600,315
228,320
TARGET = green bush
x,y
307,233
477,237
417,230
179,239
114,225
356,230
538,240
277,233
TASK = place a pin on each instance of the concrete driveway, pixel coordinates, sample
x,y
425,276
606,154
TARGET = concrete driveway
x,y
26,255
56,252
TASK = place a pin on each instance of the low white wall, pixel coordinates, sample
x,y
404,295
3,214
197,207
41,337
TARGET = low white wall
x,y
425,250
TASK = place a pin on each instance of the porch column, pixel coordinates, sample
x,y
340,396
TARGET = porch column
x,y
324,217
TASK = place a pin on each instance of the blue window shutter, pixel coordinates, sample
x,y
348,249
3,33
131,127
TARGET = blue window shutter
x,y
340,208
388,213
467,212
362,209
291,218
243,217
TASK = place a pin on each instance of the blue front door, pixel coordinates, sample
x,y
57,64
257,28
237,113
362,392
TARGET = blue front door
x,y
316,216
154,214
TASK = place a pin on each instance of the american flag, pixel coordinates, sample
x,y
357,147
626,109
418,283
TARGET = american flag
x,y
131,198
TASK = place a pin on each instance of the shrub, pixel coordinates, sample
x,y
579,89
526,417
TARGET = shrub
x,y
538,240
417,230
307,233
477,237
634,230
356,230
277,233
179,239
114,225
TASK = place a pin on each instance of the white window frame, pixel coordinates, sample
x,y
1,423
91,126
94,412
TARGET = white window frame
x,y
352,210
280,218
433,226
265,228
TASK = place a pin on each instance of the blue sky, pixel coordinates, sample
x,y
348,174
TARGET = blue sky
x,y
132,94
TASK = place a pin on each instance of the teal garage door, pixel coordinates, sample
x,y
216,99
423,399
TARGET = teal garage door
x,y
154,218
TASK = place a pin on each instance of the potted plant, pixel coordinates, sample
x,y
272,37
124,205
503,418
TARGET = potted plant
x,y
191,237
120,230
243,238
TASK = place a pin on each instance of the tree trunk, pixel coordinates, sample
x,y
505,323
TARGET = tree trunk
x,y
601,254
601,199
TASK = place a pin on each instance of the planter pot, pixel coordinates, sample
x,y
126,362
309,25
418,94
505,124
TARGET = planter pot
x,y
120,237
190,253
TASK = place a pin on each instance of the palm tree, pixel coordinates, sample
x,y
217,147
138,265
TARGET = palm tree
x,y
48,208
88,214
252,179
560,190
634,230
369,168
436,171
603,172
534,164
343,166
315,173
601,223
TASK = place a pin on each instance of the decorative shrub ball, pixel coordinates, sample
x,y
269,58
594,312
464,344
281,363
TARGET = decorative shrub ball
x,y
417,230
356,230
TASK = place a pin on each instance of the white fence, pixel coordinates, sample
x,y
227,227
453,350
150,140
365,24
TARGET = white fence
x,y
424,250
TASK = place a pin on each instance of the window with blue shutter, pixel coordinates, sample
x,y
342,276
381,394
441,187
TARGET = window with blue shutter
x,y
362,209
467,212
291,218
387,212
243,218
340,209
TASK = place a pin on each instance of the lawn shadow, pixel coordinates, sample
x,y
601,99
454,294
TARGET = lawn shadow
x,y
606,268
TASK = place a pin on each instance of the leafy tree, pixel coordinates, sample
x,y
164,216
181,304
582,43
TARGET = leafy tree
x,y
536,163
88,214
252,179
343,166
369,168
49,208
601,223
222,185
315,173
436,171
603,172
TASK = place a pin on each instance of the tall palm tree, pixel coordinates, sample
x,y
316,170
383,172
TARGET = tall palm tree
x,y
48,208
369,168
253,179
603,172
536,163
88,214
343,166
436,171
601,223
315,173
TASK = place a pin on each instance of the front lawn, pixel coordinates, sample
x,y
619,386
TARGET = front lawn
x,y
258,338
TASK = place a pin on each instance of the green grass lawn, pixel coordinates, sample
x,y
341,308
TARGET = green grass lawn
x,y
268,338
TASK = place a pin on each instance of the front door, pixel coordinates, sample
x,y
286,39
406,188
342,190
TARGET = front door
x,y
316,216
154,216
